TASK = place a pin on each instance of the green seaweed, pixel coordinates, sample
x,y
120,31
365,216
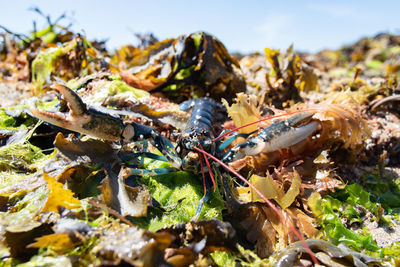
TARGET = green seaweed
x,y
119,86
22,215
8,122
374,64
20,161
385,191
179,193
245,257
223,258
47,35
354,195
342,205
43,64
22,157
329,210
111,85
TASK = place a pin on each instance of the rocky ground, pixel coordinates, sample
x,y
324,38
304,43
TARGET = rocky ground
x,y
74,199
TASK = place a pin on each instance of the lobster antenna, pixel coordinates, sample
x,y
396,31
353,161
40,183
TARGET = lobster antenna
x,y
209,170
265,119
272,206
202,172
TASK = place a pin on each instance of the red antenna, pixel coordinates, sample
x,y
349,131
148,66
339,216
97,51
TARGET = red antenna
x,y
272,206
202,172
209,170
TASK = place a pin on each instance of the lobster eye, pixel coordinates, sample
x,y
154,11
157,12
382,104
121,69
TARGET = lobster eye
x,y
188,144
207,142
128,132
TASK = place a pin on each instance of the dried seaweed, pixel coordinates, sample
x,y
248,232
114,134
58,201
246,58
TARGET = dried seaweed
x,y
76,202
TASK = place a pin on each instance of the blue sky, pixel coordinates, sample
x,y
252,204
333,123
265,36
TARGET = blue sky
x,y
243,26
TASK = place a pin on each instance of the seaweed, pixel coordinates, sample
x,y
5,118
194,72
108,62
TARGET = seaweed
x,y
69,199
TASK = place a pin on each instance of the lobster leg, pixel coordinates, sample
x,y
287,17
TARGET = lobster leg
x,y
157,171
135,131
222,145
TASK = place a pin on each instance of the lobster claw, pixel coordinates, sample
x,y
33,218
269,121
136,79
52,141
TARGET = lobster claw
x,y
80,118
277,136
101,125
